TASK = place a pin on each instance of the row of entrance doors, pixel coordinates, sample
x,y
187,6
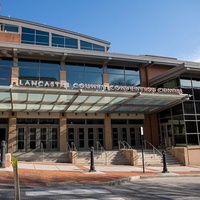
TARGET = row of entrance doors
x,y
37,138
85,137
47,137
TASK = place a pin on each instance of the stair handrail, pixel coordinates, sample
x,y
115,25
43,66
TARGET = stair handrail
x,y
127,144
73,146
102,150
154,148
119,144
42,151
68,147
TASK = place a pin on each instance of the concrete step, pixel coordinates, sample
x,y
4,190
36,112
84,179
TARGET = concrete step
x,y
108,157
51,157
152,159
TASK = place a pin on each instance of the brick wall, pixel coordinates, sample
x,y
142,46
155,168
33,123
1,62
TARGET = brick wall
x,y
9,37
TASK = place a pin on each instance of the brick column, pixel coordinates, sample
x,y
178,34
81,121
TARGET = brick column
x,y
108,132
12,133
63,132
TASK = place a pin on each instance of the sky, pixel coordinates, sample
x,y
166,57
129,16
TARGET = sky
x,y
169,28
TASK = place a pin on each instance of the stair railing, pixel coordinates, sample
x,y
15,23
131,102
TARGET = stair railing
x,y
153,148
73,147
102,151
121,143
42,151
68,147
127,145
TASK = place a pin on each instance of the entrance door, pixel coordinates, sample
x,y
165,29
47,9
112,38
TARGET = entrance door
x,y
2,134
84,137
166,137
135,137
49,138
34,138
119,135
129,134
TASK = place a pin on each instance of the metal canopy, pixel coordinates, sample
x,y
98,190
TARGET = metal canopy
x,y
30,99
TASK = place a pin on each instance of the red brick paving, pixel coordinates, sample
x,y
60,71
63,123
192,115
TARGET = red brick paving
x,y
46,177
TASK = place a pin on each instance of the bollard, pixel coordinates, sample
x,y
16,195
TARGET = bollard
x,y
3,153
164,163
92,168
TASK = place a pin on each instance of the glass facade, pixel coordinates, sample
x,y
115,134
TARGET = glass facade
x,y
38,37
89,46
62,41
9,28
32,36
123,76
184,118
83,73
38,70
5,71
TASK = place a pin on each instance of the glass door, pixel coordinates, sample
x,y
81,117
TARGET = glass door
x,y
71,137
115,138
53,139
44,138
166,137
90,137
100,137
21,139
81,137
119,136
31,139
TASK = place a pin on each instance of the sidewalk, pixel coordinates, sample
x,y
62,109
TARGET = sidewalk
x,y
54,174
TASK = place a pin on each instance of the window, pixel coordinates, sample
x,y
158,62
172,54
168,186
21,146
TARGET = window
x,y
123,75
5,71
9,28
83,73
32,36
89,46
38,70
62,41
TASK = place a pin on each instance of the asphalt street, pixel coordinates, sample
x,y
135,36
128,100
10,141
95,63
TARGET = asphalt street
x,y
163,188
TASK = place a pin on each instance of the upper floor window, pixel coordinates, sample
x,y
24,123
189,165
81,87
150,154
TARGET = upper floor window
x,y
83,73
32,36
9,28
123,75
62,41
38,70
5,70
90,46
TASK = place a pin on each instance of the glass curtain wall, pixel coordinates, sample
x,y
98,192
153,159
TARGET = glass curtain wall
x,y
83,73
184,118
123,75
5,70
38,70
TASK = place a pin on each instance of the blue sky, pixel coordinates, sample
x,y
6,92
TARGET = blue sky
x,y
140,27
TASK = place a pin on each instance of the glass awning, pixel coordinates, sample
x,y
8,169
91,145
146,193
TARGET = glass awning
x,y
30,99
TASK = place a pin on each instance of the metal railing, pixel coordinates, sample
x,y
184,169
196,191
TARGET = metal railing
x,y
128,146
68,147
153,148
73,147
120,143
102,151
42,151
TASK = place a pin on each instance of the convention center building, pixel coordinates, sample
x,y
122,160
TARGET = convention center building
x,y
60,88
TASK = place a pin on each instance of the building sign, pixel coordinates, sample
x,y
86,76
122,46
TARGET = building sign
x,y
66,85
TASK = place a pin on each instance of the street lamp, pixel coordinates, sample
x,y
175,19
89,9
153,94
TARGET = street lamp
x,y
142,139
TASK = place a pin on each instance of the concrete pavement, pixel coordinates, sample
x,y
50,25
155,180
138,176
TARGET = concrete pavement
x,y
52,174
